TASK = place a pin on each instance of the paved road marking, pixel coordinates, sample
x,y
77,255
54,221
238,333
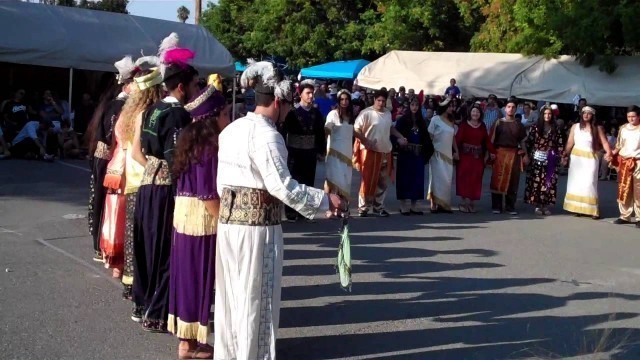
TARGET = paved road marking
x,y
81,262
72,165
4,230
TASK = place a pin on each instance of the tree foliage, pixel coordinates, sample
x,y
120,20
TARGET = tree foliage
x,y
593,30
313,31
183,14
310,32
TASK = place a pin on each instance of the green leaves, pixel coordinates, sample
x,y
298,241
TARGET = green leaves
x,y
312,32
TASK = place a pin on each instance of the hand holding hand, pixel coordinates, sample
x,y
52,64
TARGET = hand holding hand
x,y
492,157
565,161
525,160
403,142
336,203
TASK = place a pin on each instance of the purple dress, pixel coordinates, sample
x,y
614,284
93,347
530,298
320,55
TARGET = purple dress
x,y
193,252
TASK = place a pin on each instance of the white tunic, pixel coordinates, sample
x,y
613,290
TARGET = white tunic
x,y
339,152
249,258
582,181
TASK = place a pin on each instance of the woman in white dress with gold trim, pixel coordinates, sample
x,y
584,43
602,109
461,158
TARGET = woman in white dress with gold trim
x,y
586,139
442,132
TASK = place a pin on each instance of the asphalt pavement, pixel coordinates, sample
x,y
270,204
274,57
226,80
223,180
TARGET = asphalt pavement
x,y
438,286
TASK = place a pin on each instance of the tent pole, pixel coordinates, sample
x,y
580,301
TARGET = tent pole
x,y
70,88
233,96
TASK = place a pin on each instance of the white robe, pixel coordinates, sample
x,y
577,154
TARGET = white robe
x,y
253,154
582,182
339,152
441,163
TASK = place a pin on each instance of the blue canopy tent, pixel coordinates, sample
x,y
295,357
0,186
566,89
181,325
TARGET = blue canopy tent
x,y
240,67
338,70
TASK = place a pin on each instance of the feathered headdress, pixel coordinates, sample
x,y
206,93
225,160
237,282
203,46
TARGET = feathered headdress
x,y
147,62
126,69
265,78
172,57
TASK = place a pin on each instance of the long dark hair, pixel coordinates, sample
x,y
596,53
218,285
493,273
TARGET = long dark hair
x,y
348,111
593,126
406,121
196,141
112,90
540,123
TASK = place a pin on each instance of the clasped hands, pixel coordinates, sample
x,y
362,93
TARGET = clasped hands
x,y
338,204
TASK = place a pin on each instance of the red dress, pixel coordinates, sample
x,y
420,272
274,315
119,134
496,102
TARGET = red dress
x,y
473,144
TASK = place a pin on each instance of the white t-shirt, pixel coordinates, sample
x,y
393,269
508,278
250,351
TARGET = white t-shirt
x,y
29,130
375,125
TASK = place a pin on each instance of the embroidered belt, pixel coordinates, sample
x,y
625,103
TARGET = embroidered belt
x,y
250,207
303,142
102,151
473,150
156,172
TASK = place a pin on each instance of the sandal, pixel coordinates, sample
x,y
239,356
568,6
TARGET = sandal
x,y
546,212
539,212
472,209
198,353
463,208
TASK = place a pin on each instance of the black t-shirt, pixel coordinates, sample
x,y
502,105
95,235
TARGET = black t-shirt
x,y
16,111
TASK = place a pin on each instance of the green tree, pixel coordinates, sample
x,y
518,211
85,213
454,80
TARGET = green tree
x,y
183,14
594,31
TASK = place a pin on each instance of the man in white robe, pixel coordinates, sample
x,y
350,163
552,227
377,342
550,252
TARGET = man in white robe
x,y
254,182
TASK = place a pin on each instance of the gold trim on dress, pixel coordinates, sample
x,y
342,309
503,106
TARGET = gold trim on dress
x,y
590,200
581,208
190,217
102,151
583,153
337,189
127,280
340,156
444,157
188,330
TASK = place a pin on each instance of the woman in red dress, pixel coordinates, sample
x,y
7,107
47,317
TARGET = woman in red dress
x,y
473,143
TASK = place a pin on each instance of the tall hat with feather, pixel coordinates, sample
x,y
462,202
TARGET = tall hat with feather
x,y
151,79
127,69
173,59
265,78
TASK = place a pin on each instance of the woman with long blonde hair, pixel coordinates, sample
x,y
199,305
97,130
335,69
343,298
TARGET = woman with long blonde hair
x,y
124,173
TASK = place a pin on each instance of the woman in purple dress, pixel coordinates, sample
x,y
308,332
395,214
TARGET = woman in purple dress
x,y
193,250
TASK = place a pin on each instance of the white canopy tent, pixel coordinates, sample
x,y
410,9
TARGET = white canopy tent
x,y
479,74
73,38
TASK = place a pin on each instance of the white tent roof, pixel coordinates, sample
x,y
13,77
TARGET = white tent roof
x,y
57,36
479,74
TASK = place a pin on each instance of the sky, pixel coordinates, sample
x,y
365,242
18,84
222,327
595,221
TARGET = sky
x,y
163,9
